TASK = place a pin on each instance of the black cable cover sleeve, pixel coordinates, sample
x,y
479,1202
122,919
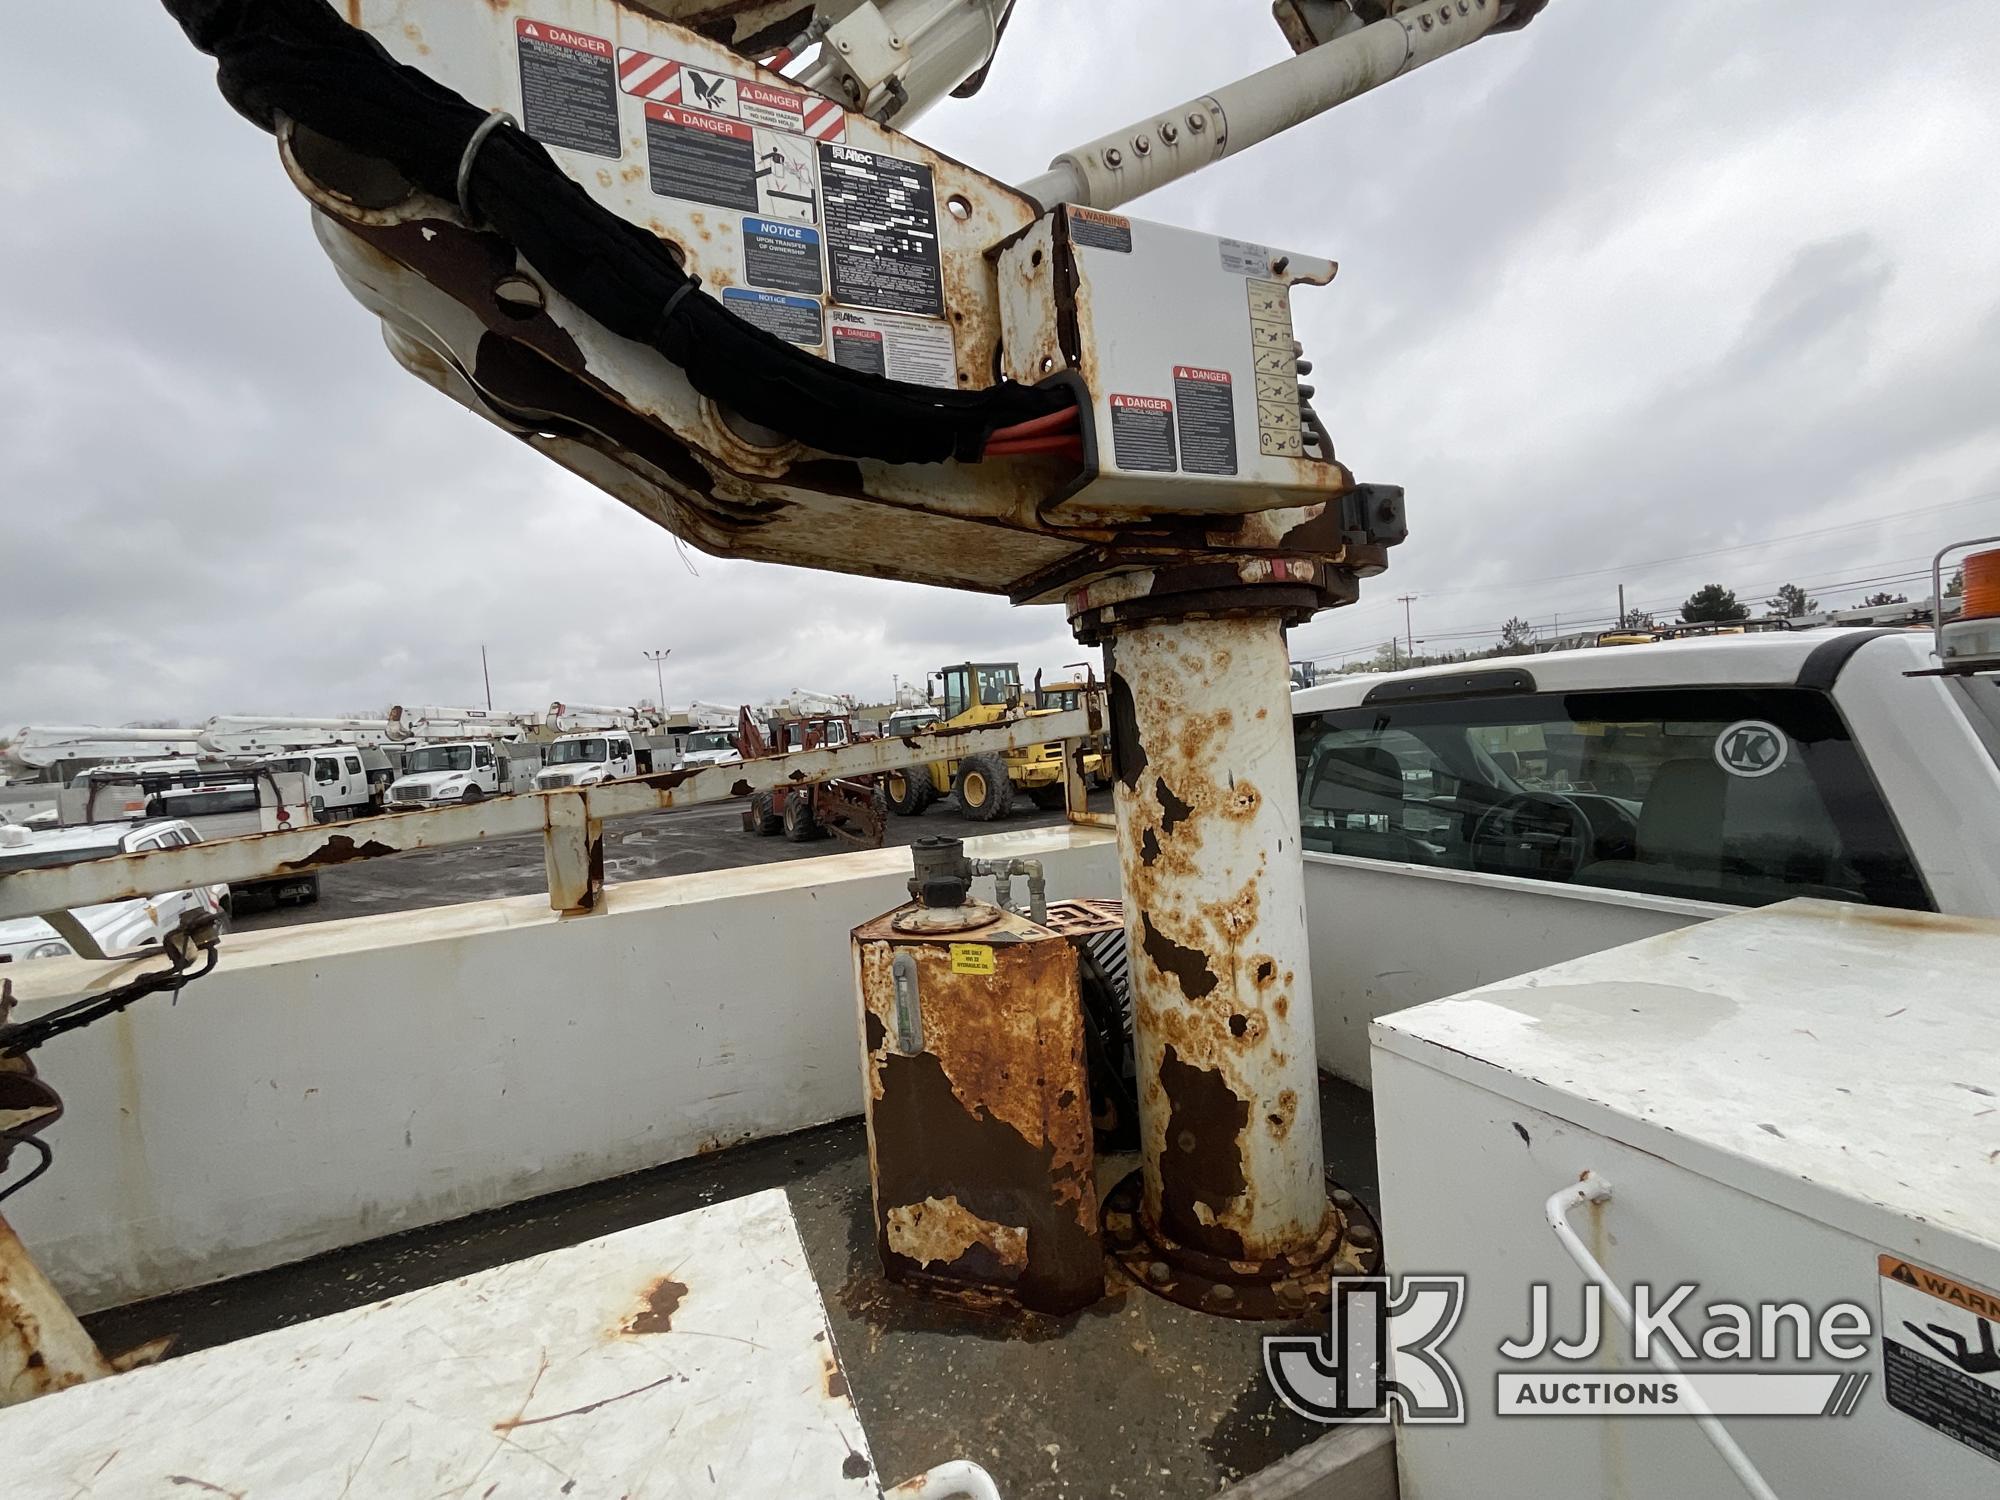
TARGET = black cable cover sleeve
x,y
299,59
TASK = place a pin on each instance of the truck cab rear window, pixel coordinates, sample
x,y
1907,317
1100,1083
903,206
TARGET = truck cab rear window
x,y
1739,795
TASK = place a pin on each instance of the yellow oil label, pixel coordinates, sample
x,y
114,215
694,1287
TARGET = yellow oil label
x,y
971,958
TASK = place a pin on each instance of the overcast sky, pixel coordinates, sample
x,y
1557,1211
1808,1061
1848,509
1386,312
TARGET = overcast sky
x,y
1651,294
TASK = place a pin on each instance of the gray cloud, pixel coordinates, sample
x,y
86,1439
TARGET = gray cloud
x,y
1640,281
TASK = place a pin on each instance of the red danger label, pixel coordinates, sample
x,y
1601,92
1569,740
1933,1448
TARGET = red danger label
x,y
757,93
874,336
1142,403
668,114
1195,372
541,31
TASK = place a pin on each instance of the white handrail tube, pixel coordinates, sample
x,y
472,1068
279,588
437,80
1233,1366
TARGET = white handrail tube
x,y
1594,1189
1165,147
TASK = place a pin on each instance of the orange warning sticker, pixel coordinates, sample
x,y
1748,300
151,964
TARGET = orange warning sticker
x,y
1963,1294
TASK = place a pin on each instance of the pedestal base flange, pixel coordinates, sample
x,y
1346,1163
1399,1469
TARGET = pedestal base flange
x,y
1292,1286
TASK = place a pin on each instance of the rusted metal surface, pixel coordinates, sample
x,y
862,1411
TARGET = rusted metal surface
x,y
42,1346
261,856
1208,831
980,1142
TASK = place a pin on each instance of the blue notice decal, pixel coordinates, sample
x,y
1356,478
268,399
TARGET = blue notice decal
x,y
794,319
782,256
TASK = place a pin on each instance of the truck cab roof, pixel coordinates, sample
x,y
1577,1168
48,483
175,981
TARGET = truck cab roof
x,y
1773,658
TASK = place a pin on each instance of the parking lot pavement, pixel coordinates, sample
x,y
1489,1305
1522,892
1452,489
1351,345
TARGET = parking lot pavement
x,y
684,842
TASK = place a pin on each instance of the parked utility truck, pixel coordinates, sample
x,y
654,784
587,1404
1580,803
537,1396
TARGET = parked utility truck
x,y
1470,822
465,771
588,759
980,693
347,781
217,803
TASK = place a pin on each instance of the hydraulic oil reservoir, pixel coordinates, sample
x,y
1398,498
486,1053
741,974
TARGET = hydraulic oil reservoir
x,y
978,1098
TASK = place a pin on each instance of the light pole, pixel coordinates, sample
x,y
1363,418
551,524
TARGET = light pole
x,y
659,675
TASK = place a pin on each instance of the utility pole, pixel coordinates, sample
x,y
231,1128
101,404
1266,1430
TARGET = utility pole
x,y
488,677
1409,634
659,675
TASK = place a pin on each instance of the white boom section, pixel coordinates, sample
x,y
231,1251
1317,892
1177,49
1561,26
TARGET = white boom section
x,y
1165,147
566,817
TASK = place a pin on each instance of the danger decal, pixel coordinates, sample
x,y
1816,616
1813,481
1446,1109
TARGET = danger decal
x,y
1207,419
1142,434
569,88
666,80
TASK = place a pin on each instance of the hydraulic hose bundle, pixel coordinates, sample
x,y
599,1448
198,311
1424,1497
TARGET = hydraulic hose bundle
x,y
298,59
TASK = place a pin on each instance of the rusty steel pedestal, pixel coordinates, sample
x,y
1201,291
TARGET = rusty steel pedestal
x,y
1231,1211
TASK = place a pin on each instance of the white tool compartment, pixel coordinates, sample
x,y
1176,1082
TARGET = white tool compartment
x,y
1794,1105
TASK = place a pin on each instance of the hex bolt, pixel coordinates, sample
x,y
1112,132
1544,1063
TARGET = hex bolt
x,y
1158,1272
1281,265
1361,1234
1425,21
1342,1198
1141,144
1197,123
1168,132
1113,157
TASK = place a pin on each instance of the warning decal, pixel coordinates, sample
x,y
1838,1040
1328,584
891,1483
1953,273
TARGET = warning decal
x,y
971,958
899,348
667,81
881,231
1142,433
1207,400
1098,231
700,158
786,186
569,88
782,256
1941,1352
794,319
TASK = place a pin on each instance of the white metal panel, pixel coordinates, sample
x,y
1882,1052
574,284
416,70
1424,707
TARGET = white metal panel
x,y
690,1356
1777,1098
344,1080
1386,936
1862,1038
1936,774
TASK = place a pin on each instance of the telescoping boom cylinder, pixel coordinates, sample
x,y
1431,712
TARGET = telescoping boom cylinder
x,y
1165,147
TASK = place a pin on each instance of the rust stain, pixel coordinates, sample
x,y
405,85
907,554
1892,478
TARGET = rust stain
x,y
1188,966
943,1231
1201,1170
1280,1119
340,850
663,1300
604,177
832,1381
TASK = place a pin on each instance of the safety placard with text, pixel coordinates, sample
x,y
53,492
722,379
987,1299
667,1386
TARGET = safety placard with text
x,y
1941,1352
569,89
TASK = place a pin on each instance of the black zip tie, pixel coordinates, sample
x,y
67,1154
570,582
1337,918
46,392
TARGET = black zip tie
x,y
485,128
693,283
